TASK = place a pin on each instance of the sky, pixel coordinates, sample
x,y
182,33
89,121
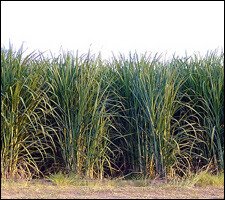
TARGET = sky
x,y
166,27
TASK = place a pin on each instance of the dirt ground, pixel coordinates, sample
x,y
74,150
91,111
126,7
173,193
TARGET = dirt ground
x,y
49,191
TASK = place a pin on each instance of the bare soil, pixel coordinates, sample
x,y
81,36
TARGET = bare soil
x,y
156,191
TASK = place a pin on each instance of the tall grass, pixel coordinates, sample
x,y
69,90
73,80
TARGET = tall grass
x,y
100,118
82,97
151,98
205,86
26,133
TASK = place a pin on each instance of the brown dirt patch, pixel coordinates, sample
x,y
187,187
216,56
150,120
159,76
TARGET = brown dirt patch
x,y
49,191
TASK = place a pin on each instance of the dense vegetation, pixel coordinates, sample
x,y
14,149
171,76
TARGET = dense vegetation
x,y
99,118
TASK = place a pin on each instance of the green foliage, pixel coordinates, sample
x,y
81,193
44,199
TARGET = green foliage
x,y
26,132
99,119
62,179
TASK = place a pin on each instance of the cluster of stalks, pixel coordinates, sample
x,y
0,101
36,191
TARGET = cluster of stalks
x,y
99,118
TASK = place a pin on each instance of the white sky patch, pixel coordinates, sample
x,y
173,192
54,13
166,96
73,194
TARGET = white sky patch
x,y
168,27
